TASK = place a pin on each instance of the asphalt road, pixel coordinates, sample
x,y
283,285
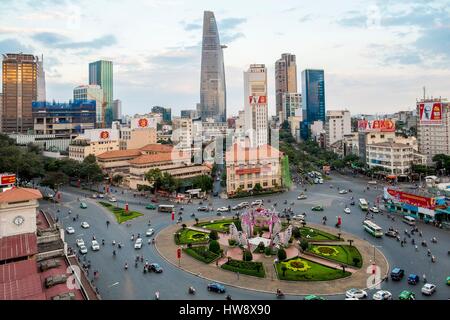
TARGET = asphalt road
x,y
116,283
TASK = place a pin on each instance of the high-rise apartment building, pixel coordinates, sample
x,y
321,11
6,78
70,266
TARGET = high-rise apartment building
x,y
92,92
337,125
285,80
292,106
101,73
433,127
313,99
212,82
20,73
182,133
255,104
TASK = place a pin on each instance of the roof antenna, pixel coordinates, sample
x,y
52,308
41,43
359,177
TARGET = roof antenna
x,y
424,92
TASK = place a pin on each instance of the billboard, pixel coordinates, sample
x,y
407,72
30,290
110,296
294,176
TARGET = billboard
x,y
143,123
96,135
257,99
7,179
383,125
430,113
409,198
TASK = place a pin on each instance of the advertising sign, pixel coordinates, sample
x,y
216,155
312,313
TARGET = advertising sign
x,y
96,135
7,179
257,99
143,123
430,113
384,125
409,198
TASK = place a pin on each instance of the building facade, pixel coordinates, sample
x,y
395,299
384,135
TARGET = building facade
x,y
41,88
285,81
166,113
212,76
291,106
313,99
19,87
101,73
92,92
182,133
189,114
117,110
337,125
255,105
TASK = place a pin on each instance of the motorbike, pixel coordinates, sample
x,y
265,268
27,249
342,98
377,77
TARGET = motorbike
x,y
191,290
193,215
157,295
126,266
228,297
279,294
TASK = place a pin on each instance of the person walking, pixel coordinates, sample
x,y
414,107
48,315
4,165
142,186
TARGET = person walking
x,y
424,278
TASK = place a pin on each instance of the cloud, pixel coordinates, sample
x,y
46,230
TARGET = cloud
x,y
49,38
176,57
230,23
14,46
403,58
228,38
305,18
435,41
59,41
192,26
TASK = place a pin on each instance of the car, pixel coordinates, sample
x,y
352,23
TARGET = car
x,y
84,225
317,208
218,179
54,280
428,289
150,207
83,205
70,230
382,295
150,232
413,278
49,264
79,242
302,197
356,293
95,246
347,210
320,181
223,209
316,181
156,268
257,203
407,295
397,274
203,208
83,249
236,207
95,196
216,287
313,297
112,199
374,210
351,299
343,191
138,243
215,194
352,203
372,182
391,233
101,195
244,204
300,217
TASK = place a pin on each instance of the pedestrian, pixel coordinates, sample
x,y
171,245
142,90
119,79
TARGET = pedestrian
x,y
237,274
424,278
217,263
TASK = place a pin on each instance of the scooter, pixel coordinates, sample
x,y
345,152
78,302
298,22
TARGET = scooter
x,y
157,295
191,290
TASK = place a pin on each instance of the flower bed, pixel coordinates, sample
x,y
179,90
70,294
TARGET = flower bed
x,y
120,213
201,253
344,254
300,269
188,236
220,225
313,234
250,268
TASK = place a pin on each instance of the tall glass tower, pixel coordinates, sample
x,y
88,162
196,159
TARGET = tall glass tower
x,y
313,99
101,73
212,82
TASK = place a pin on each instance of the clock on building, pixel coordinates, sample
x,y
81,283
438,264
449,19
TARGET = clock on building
x,y
19,220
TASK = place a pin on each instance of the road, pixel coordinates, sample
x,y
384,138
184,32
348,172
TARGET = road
x,y
116,283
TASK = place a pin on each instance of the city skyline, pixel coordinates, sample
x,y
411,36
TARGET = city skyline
x,y
155,67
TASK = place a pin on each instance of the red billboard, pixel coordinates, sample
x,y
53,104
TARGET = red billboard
x,y
384,125
430,113
257,99
248,171
411,199
7,179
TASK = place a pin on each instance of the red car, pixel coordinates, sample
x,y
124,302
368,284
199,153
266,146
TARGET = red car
x,y
154,200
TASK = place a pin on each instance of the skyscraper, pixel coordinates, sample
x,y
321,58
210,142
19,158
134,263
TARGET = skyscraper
x,y
313,99
41,93
92,92
117,110
255,104
19,91
285,80
212,82
101,73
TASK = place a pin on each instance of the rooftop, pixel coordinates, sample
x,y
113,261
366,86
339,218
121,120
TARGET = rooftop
x,y
389,145
119,154
21,245
20,194
161,157
156,147
242,153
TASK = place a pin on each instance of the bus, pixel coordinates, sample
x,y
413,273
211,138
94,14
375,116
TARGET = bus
x,y
363,204
373,229
166,208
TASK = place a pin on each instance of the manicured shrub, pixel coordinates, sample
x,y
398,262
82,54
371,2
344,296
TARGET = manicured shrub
x,y
261,246
213,235
304,245
214,246
247,256
268,251
281,254
184,226
356,261
232,242
296,233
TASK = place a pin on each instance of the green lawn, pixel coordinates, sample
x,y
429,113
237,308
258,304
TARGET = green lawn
x,y
191,236
219,226
120,213
201,253
343,253
315,234
305,270
250,268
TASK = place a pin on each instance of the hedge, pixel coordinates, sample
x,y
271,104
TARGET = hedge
x,y
245,267
201,253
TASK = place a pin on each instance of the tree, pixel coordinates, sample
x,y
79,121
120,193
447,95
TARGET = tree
x,y
203,182
281,254
247,256
223,179
168,182
54,179
268,251
296,232
153,177
284,269
213,235
184,226
257,188
304,245
117,179
214,246
356,261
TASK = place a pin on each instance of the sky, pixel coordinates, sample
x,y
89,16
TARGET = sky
x,y
377,55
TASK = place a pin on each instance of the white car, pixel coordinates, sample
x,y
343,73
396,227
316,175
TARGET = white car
x,y
80,242
382,295
112,199
101,195
299,217
222,209
374,210
138,243
356,293
351,299
302,197
70,230
320,181
343,191
257,203
84,225
347,210
150,232
95,196
243,205
95,246
83,249
428,289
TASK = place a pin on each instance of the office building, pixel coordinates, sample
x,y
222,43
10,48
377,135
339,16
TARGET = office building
x,y
212,76
255,104
92,92
313,99
291,106
19,87
182,133
41,89
285,81
101,73
337,125
189,114
166,113
117,110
